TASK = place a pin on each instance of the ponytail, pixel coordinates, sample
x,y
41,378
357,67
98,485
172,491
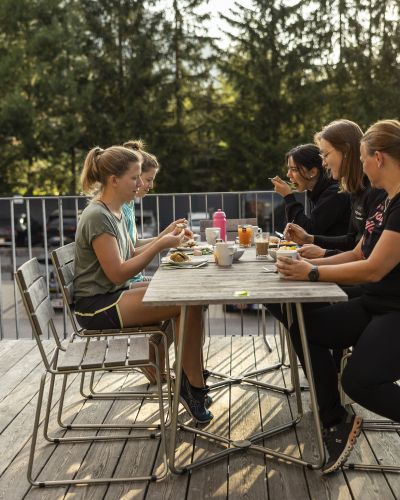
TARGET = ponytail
x,y
102,163
149,161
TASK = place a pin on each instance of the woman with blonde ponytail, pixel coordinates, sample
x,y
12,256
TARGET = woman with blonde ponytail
x,y
105,261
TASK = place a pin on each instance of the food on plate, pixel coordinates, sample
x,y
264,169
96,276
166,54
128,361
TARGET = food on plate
x,y
288,243
274,241
288,247
179,257
189,244
207,251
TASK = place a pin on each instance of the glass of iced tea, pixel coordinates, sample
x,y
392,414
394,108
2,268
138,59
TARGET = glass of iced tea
x,y
245,231
262,244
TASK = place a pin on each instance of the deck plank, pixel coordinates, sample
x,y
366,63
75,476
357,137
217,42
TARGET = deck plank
x,y
22,368
285,480
210,481
385,447
248,472
110,459
13,482
23,385
14,436
367,486
137,456
66,459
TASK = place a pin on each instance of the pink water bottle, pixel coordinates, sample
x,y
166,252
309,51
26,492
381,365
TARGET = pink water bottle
x,y
219,220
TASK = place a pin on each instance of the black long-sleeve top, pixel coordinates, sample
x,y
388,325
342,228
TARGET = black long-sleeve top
x,y
330,209
361,204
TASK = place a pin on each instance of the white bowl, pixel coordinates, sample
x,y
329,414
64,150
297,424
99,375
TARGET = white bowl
x,y
237,254
272,253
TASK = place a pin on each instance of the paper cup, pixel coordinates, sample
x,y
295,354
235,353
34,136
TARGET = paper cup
x,y
291,254
212,234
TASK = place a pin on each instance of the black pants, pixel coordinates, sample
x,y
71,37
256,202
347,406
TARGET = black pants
x,y
370,374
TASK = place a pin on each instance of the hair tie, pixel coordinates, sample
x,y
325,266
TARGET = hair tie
x,y
97,152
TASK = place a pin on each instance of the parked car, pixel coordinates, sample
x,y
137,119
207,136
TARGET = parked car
x,y
194,219
69,227
21,230
149,224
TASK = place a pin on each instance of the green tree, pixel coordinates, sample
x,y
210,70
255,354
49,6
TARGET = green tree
x,y
41,95
187,142
267,67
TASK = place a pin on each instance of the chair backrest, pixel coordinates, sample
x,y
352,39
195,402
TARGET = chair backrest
x,y
63,259
36,299
231,227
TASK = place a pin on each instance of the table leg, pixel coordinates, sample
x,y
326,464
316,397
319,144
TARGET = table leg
x,y
238,446
175,402
310,377
294,367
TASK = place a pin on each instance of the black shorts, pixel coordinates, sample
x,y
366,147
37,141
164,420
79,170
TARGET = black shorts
x,y
99,312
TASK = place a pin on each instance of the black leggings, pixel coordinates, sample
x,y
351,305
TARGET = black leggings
x,y
372,370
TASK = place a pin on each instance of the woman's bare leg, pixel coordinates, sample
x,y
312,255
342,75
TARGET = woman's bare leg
x,y
135,313
192,361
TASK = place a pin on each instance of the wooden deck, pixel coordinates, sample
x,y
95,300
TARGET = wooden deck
x,y
238,411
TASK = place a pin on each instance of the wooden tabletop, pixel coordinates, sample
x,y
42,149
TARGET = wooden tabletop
x,y
217,285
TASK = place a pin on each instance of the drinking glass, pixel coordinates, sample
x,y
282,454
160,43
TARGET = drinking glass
x,y
245,231
262,243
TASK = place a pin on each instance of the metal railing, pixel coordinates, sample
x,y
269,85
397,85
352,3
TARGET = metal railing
x,y
36,225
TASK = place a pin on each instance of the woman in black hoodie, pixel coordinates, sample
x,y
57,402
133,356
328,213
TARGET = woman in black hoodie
x,y
329,208
339,143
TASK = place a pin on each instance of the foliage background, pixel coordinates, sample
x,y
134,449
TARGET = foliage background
x,y
80,73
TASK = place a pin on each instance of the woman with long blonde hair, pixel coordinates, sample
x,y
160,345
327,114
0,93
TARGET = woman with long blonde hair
x,y
105,261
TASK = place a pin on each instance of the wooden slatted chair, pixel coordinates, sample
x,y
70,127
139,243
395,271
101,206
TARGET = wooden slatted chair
x,y
82,356
63,259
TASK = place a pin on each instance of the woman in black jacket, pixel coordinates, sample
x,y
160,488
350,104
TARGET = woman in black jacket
x,y
329,209
339,143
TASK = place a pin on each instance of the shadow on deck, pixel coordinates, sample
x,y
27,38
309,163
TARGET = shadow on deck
x,y
238,412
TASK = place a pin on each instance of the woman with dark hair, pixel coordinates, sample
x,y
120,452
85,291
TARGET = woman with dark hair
x,y
368,322
339,144
329,208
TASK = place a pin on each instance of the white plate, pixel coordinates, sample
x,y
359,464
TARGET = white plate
x,y
194,260
198,246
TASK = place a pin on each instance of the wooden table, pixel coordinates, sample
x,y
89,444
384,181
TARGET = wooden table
x,y
217,285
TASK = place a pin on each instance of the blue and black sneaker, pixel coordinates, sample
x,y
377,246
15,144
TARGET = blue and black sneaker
x,y
193,399
208,400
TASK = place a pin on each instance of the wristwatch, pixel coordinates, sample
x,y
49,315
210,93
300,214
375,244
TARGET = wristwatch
x,y
313,275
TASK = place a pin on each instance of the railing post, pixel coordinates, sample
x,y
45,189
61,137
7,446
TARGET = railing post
x,y
1,304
